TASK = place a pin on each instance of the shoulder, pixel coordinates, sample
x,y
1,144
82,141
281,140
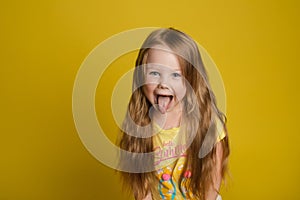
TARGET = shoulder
x,y
221,133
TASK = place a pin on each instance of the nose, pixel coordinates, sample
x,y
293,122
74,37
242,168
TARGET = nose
x,y
163,82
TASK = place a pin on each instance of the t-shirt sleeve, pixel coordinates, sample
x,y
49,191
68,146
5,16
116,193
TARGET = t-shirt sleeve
x,y
220,130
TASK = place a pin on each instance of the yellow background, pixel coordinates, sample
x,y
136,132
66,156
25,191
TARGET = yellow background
x,y
255,44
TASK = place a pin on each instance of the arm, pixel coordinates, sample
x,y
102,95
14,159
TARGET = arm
x,y
148,197
213,192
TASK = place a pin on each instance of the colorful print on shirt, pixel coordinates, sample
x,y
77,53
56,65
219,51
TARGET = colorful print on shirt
x,y
170,157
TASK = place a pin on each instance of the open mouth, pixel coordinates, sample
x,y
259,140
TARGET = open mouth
x,y
164,102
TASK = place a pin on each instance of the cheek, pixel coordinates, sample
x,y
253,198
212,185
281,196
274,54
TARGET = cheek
x,y
150,87
181,93
180,90
149,91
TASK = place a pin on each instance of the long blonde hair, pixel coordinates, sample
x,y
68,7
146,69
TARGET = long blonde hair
x,y
138,116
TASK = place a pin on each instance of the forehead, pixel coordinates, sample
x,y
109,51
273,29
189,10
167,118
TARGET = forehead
x,y
164,58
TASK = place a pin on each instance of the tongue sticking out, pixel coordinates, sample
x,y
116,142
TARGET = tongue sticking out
x,y
163,102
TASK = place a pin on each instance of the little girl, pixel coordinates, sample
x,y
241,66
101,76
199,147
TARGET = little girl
x,y
174,134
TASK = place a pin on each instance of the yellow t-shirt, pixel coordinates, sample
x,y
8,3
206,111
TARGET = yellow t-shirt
x,y
170,156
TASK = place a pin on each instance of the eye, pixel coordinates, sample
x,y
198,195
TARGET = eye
x,y
154,73
176,75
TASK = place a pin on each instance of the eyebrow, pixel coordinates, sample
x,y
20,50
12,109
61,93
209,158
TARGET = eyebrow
x,y
157,65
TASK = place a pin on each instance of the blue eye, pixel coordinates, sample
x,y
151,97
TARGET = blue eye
x,y
154,73
176,75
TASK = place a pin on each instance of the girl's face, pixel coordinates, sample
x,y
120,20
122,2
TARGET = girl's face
x,y
164,83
